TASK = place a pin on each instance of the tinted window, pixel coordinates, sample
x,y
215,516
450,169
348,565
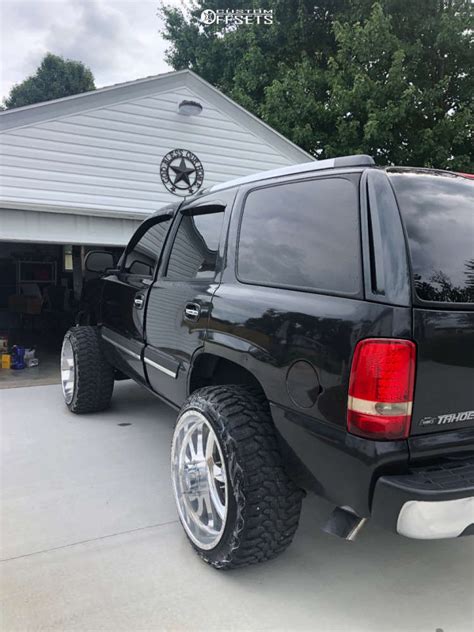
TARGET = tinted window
x,y
195,248
438,212
143,257
302,235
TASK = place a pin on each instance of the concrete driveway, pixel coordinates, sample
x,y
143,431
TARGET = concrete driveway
x,y
90,541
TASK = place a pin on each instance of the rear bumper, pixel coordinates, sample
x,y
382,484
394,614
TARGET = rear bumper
x,y
334,464
428,502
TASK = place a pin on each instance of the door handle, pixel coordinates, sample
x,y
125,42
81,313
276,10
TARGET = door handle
x,y
139,301
192,311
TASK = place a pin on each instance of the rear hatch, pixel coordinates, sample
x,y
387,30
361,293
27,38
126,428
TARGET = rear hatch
x,y
437,210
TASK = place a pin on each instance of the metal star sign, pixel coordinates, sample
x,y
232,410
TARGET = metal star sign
x,y
181,172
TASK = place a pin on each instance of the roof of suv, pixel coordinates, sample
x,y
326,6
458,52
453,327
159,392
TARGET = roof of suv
x,y
357,161
360,160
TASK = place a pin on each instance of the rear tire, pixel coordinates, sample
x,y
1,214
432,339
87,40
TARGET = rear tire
x,y
87,378
262,504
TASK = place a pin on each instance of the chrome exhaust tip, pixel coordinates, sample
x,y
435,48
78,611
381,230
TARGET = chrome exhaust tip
x,y
344,523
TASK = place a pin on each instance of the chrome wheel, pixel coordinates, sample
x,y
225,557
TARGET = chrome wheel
x,y
67,370
199,479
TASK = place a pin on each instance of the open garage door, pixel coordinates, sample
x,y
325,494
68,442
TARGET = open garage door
x,y
42,226
42,278
41,287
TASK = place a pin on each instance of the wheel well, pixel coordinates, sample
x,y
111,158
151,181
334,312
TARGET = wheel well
x,y
211,370
86,317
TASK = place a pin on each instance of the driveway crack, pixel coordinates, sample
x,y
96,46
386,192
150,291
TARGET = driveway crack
x,y
102,537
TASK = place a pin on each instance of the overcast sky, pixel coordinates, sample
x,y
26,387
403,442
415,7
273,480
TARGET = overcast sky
x,y
118,39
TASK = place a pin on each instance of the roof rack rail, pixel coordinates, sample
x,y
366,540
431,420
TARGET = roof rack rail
x,y
358,160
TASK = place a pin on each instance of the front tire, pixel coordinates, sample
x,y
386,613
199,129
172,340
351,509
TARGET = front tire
x,y
87,378
235,501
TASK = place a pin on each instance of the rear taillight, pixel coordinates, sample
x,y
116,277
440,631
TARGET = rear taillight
x,y
381,388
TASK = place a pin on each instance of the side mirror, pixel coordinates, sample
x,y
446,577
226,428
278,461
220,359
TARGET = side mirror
x,y
140,267
99,261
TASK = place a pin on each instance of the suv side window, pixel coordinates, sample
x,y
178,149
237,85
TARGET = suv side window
x,y
195,249
302,235
145,253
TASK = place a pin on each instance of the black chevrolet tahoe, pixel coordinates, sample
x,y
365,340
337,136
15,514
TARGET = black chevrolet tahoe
x,y
314,326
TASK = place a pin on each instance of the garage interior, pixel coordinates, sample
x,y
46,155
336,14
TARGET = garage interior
x,y
41,287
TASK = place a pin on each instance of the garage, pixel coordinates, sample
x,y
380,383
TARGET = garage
x,y
40,298
81,173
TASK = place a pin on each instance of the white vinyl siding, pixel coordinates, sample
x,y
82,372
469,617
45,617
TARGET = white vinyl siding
x,y
110,157
98,154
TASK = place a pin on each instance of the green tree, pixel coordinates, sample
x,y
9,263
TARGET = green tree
x,y
55,77
389,78
244,61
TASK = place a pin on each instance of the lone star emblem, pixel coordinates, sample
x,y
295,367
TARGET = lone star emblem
x,y
181,172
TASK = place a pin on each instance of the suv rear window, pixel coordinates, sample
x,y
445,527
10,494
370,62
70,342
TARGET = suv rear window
x,y
438,213
302,235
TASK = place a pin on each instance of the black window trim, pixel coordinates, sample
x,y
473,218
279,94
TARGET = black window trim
x,y
144,227
204,209
378,283
377,267
359,293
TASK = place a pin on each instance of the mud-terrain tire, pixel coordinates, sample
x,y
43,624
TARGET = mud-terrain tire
x,y
92,376
263,504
